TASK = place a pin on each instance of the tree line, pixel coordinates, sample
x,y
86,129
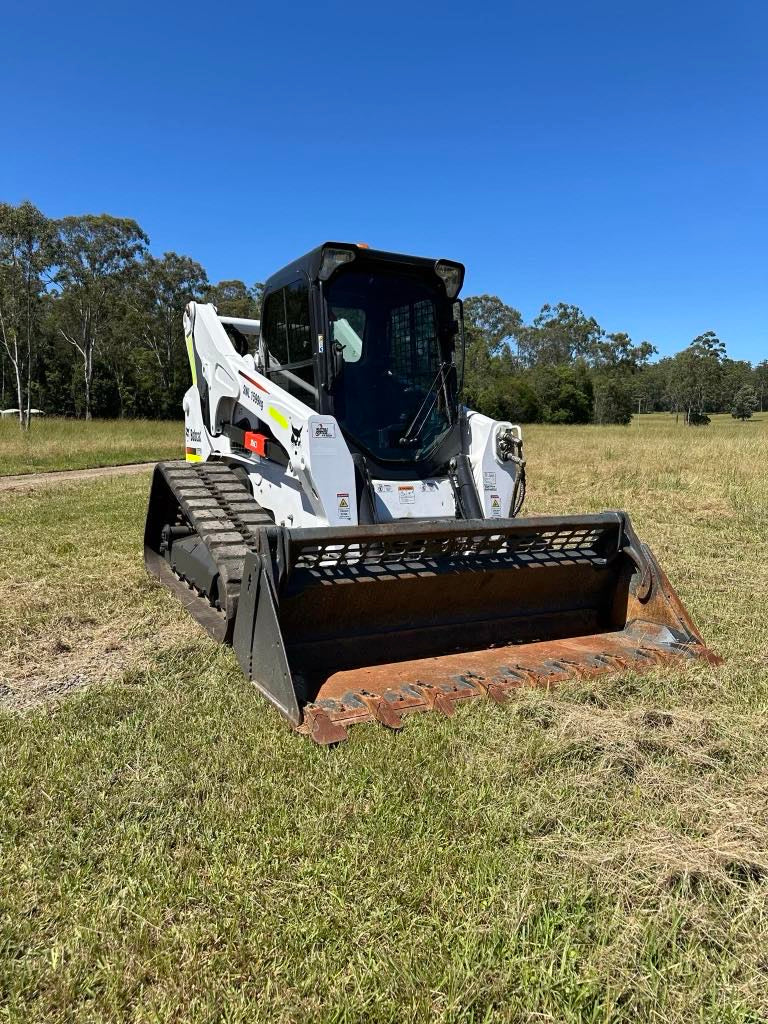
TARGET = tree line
x,y
91,320
91,325
564,368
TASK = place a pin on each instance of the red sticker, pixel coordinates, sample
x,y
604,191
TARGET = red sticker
x,y
255,442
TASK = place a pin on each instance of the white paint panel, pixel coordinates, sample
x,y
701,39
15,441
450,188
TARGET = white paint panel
x,y
414,499
494,479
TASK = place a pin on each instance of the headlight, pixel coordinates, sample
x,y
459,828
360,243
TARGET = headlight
x,y
332,259
451,278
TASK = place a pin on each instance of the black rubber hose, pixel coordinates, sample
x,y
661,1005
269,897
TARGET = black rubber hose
x,y
467,492
518,494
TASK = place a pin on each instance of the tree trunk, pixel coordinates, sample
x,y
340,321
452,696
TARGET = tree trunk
x,y
19,391
28,415
87,380
88,368
12,350
120,384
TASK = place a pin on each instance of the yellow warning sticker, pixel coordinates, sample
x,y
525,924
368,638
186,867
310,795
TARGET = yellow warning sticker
x,y
191,353
343,506
495,506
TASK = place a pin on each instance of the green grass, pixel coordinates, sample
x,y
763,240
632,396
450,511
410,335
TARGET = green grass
x,y
54,443
169,851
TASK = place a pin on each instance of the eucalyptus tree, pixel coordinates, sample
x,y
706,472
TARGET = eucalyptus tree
x,y
98,256
162,289
27,253
695,378
236,298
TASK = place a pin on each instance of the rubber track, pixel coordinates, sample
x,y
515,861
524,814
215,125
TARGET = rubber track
x,y
225,515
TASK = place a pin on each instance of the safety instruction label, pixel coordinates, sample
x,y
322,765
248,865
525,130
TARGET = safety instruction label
x,y
407,494
343,507
495,506
489,481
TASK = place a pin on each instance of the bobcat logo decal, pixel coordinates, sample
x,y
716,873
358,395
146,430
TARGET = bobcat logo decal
x,y
296,434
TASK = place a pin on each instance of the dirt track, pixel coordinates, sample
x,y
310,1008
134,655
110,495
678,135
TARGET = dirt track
x,y
32,481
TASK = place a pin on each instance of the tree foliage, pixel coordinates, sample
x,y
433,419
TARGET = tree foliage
x,y
744,403
91,320
91,324
564,368
234,298
561,368
98,257
27,251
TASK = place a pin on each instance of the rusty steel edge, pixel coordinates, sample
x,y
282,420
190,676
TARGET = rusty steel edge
x,y
327,719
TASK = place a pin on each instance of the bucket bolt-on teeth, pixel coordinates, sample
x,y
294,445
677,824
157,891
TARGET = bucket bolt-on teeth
x,y
320,726
390,707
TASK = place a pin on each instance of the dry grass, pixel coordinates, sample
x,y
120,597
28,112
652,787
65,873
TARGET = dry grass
x,y
75,603
54,443
698,496
169,852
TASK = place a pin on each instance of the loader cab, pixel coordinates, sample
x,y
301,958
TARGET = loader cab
x,y
374,339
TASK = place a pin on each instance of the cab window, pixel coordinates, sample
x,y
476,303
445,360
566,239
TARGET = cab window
x,y
288,340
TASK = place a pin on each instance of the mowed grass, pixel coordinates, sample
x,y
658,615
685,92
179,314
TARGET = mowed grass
x,y
171,852
54,443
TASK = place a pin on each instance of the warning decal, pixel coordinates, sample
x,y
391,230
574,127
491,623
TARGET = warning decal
x,y
495,506
343,506
407,494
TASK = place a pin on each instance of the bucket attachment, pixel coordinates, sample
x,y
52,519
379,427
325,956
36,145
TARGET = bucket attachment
x,y
338,626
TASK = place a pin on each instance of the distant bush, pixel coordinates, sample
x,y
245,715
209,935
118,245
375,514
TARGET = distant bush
x,y
697,419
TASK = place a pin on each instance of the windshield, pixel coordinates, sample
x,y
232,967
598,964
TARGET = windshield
x,y
397,386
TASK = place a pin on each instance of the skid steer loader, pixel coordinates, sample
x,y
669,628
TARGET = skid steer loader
x,y
352,530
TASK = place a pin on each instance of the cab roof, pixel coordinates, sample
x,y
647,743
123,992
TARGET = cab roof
x,y
308,266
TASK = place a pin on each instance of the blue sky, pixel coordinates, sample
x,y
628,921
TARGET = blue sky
x,y
607,154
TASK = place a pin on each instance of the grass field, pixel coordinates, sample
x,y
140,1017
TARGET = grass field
x,y
170,852
55,443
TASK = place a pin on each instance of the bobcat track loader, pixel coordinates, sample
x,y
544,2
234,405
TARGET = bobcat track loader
x,y
351,529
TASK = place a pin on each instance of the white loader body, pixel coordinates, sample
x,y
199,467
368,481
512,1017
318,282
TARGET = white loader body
x,y
352,529
317,485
